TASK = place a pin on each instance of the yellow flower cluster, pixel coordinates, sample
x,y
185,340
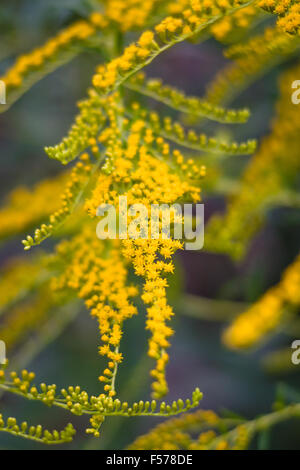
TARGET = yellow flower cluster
x,y
107,76
71,36
169,31
98,274
268,174
151,179
25,208
229,26
288,12
145,257
133,170
265,315
129,14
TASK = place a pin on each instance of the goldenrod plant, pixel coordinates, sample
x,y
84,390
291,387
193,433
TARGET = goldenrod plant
x,y
139,138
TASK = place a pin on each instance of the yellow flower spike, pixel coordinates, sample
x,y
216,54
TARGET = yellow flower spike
x,y
288,12
146,170
30,67
169,31
265,315
264,179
